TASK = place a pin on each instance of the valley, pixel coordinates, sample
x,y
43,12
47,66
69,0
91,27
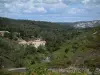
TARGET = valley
x,y
43,48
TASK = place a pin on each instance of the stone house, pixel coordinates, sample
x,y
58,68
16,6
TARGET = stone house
x,y
3,32
36,43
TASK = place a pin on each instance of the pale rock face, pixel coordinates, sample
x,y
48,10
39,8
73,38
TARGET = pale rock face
x,y
22,42
87,24
36,43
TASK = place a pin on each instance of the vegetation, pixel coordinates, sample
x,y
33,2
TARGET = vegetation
x,y
65,46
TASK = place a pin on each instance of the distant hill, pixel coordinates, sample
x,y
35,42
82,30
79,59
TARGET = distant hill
x,y
7,22
86,24
81,24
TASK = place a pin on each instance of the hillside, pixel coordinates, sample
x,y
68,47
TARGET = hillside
x,y
54,34
65,45
85,47
81,24
51,32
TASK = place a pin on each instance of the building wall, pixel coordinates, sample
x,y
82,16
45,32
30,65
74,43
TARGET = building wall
x,y
36,43
3,32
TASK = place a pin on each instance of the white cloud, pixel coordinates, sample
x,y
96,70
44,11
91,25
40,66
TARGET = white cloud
x,y
91,3
41,9
85,1
33,6
75,11
36,10
54,6
26,7
50,1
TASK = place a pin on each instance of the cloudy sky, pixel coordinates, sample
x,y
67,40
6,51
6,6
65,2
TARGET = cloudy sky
x,y
51,10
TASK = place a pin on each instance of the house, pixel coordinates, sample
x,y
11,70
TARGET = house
x,y
36,43
3,32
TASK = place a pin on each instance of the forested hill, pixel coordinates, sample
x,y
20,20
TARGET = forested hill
x,y
15,23
65,45
54,35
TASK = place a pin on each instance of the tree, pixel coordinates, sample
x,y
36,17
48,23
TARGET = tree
x,y
66,50
41,49
92,64
30,49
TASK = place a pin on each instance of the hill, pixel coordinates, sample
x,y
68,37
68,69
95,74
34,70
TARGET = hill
x,y
84,47
54,35
81,24
66,45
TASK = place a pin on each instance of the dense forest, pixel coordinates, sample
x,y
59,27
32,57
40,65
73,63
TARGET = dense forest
x,y
65,46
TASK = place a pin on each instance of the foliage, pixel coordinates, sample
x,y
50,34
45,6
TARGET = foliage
x,y
77,74
64,44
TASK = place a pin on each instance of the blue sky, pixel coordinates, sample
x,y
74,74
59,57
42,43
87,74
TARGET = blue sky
x,y
51,10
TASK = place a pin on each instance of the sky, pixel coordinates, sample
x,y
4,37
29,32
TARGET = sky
x,y
51,10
